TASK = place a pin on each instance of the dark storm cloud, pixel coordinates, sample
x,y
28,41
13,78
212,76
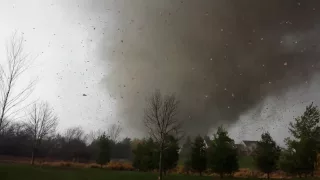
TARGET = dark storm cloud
x,y
221,58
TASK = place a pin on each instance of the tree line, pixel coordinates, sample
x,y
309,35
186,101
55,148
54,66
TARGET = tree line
x,y
74,145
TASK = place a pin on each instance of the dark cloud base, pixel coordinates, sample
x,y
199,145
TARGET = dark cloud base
x,y
221,58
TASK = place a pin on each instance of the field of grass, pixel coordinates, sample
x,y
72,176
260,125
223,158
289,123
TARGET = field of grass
x,y
27,172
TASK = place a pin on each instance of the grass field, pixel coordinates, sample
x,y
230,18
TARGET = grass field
x,y
27,172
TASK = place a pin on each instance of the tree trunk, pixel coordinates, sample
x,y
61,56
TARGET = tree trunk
x,y
221,175
268,175
33,156
160,161
200,173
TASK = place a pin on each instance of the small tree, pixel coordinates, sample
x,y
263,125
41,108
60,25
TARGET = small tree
x,y
266,154
304,146
287,162
223,158
170,154
42,122
104,150
146,155
75,143
160,118
114,131
198,155
138,152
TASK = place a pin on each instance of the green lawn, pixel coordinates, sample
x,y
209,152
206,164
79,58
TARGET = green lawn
x,y
26,172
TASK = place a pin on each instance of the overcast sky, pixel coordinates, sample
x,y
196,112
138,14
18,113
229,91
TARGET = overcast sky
x,y
64,43
77,41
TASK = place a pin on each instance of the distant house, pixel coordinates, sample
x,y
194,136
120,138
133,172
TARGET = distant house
x,y
246,147
250,146
241,148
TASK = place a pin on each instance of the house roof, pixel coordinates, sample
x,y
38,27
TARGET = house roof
x,y
250,143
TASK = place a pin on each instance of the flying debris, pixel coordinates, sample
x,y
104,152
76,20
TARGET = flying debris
x,y
84,95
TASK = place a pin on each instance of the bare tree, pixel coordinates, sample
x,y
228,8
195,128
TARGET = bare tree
x,y
114,131
75,133
161,120
76,140
94,135
18,62
42,122
4,127
14,128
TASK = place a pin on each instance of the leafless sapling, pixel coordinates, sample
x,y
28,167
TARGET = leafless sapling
x,y
114,132
42,122
160,118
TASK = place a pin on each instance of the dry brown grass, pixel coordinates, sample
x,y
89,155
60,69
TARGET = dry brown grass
x,y
63,164
118,166
113,165
242,173
127,166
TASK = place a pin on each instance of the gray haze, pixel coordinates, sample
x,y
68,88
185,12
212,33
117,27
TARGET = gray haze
x,y
222,58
